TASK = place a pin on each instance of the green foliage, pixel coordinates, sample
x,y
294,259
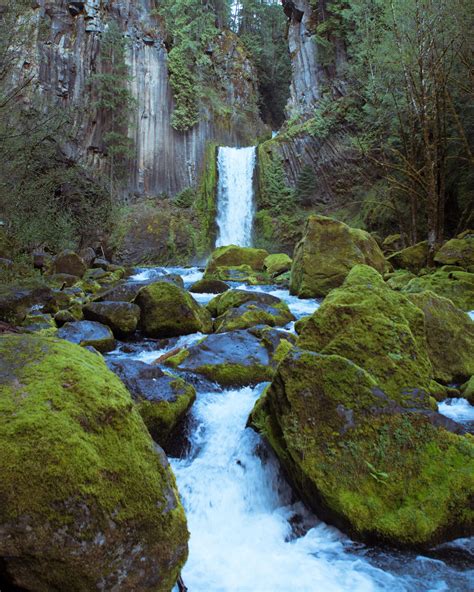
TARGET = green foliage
x,y
185,199
274,193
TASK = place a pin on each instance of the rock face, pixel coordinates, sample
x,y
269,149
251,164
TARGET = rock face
x,y
169,311
326,254
457,251
88,501
88,333
121,317
373,468
162,400
65,52
378,329
449,336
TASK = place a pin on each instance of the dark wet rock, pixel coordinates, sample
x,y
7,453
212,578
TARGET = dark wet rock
x,y
121,317
209,287
253,313
16,300
100,263
232,359
121,293
69,262
41,259
88,333
62,280
234,298
88,255
163,400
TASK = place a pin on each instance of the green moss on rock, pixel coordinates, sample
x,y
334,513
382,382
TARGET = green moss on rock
x,y
457,251
378,329
277,264
232,257
458,286
372,468
168,311
413,258
449,336
327,252
87,500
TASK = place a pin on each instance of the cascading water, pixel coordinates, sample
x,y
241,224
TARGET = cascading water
x,y
235,196
247,532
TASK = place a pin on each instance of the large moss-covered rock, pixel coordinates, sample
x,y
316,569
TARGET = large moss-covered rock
x,y
69,262
277,264
232,359
413,258
121,317
327,252
233,257
378,329
458,286
88,501
377,470
169,311
457,251
88,333
449,336
163,400
399,279
393,243
253,313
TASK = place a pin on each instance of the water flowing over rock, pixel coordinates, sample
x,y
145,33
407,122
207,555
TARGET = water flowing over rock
x,y
235,204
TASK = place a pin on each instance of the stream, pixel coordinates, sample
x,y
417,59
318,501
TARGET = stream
x,y
248,532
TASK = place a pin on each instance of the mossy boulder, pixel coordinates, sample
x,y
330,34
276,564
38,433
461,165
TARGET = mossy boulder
x,y
378,329
88,333
88,501
121,293
397,280
231,359
277,264
121,317
413,258
449,336
15,301
233,257
393,243
458,286
69,262
162,400
327,252
457,251
169,311
378,471
235,298
209,287
39,322
253,313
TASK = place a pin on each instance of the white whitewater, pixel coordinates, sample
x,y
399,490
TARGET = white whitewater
x,y
235,207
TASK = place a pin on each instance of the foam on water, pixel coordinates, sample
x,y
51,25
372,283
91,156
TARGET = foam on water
x,y
238,511
458,409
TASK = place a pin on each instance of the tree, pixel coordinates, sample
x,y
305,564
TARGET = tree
x,y
114,101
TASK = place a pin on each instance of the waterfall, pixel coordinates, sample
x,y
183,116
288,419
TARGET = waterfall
x,y
235,206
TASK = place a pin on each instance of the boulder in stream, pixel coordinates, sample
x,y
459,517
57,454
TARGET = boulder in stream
x,y
163,400
88,333
121,317
169,311
380,471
